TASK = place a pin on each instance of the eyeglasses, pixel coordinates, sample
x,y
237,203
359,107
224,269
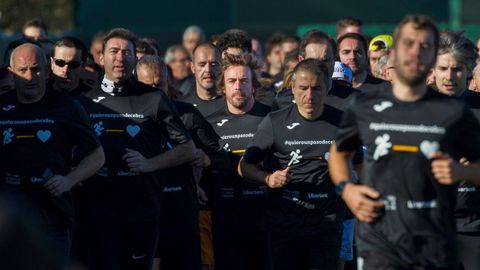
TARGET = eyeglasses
x,y
71,64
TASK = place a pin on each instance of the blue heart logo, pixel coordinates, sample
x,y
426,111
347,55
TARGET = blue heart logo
x,y
133,130
44,135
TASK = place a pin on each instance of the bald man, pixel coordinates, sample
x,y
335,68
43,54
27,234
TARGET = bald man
x,y
40,128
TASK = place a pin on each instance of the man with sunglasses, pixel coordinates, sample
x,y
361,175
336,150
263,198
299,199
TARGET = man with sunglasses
x,y
67,61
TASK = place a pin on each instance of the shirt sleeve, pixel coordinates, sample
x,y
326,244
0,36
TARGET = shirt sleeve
x,y
261,143
168,116
205,136
469,136
81,131
348,137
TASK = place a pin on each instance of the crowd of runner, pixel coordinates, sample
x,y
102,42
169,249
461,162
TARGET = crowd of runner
x,y
302,153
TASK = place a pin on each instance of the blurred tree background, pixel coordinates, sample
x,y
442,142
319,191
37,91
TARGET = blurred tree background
x,y
57,14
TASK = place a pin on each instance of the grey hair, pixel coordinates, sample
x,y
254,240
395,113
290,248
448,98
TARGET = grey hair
x,y
153,62
170,53
461,48
41,54
194,29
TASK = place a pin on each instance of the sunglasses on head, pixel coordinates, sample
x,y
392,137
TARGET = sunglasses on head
x,y
62,63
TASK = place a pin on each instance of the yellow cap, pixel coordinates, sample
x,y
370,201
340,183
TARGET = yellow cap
x,y
377,42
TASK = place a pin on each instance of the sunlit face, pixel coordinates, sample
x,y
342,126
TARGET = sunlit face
x,y
238,87
413,54
118,59
352,54
66,65
450,75
206,67
29,73
309,93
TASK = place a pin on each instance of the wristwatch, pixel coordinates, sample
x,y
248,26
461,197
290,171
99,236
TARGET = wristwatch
x,y
339,188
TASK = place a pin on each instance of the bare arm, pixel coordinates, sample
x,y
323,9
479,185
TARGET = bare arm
x,y
255,173
90,164
179,154
361,199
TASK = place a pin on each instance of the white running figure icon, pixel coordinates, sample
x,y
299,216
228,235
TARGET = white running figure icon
x,y
295,157
383,145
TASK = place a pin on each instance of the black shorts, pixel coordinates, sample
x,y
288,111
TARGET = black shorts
x,y
318,250
384,261
469,250
179,252
121,246
237,249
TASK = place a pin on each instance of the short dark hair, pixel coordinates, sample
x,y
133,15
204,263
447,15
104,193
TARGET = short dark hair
x,y
314,66
36,22
236,60
235,38
274,40
355,36
316,37
346,22
419,22
141,46
291,55
72,42
120,33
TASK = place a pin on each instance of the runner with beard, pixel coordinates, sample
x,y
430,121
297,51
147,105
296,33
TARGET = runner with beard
x,y
304,214
238,217
179,243
205,67
405,201
133,122
352,51
455,61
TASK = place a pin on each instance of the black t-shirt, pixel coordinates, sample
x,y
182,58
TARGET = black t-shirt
x,y
372,83
236,202
340,96
467,211
179,211
186,85
206,107
283,98
140,118
285,138
418,225
80,90
38,141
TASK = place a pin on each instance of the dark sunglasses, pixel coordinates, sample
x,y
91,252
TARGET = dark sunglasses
x,y
71,64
